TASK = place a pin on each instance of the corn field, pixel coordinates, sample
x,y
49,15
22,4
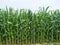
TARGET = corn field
x,y
27,27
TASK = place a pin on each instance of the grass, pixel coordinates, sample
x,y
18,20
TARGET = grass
x,y
24,26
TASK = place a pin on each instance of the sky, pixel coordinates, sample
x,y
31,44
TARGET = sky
x,y
30,4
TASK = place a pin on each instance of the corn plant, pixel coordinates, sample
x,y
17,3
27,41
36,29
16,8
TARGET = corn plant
x,y
24,26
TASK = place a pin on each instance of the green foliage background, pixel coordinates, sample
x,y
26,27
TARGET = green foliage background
x,y
24,26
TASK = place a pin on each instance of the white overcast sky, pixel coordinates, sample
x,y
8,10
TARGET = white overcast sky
x,y
30,4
